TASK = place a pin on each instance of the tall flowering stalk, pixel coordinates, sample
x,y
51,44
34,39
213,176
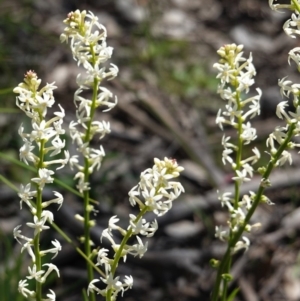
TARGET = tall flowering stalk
x,y
154,193
34,103
87,40
236,76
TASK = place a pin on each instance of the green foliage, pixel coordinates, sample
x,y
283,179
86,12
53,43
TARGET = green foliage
x,y
177,70
10,270
233,294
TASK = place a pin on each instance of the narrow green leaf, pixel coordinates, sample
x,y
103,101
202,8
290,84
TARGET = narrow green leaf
x,y
233,294
32,169
6,91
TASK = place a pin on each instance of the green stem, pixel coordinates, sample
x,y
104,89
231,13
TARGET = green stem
x,y
36,241
31,168
58,230
239,150
87,245
69,240
119,253
86,194
237,184
296,4
8,183
236,237
226,281
38,260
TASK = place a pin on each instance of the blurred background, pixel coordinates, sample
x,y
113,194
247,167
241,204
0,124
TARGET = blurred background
x,y
166,88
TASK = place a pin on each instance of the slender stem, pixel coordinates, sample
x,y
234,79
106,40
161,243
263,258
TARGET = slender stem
x,y
296,4
119,253
87,245
58,230
38,259
225,280
36,241
31,168
239,150
237,184
69,240
8,183
86,194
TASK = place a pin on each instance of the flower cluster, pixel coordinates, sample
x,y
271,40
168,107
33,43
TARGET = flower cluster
x,y
45,136
235,73
156,188
291,26
236,77
88,44
87,38
281,136
155,192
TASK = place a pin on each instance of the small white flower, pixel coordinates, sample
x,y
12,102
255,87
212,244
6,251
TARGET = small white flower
x,y
112,225
23,290
277,6
280,110
51,296
112,283
223,235
103,99
96,157
220,119
238,215
28,246
133,194
37,225
242,245
26,153
295,56
128,282
245,82
139,226
101,127
102,259
289,24
17,234
113,72
226,144
225,72
82,185
224,198
92,288
47,216
26,195
58,200
248,168
246,201
34,274
41,131
295,116
44,177
55,250
51,267
138,249
285,156
248,133
106,233
57,146
63,162
285,87
241,176
226,156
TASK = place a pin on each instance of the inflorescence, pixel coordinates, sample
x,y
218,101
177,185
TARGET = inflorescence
x,y
41,144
